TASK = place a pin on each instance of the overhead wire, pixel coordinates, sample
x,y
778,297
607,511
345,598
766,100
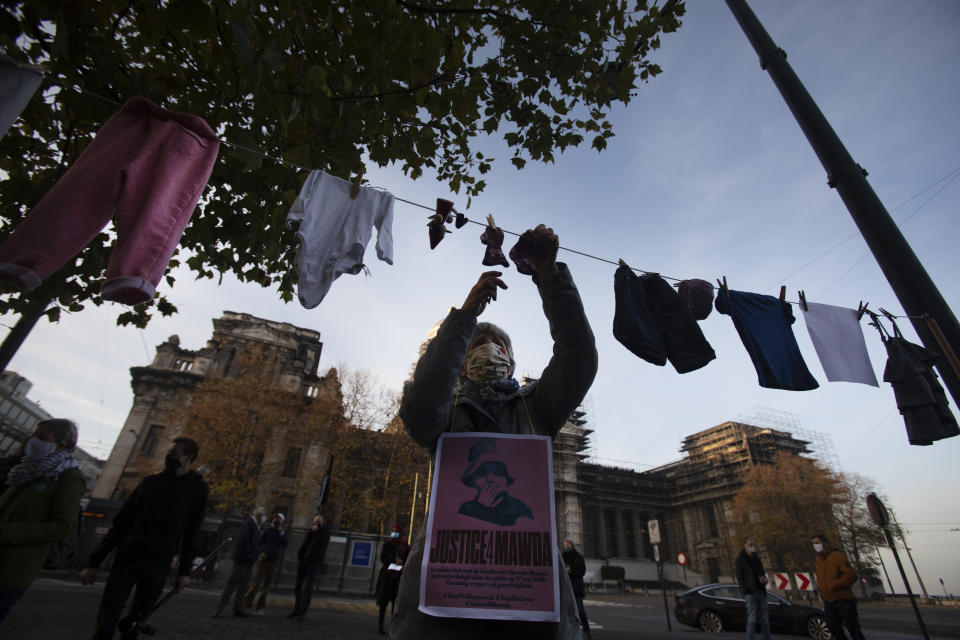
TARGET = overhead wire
x,y
950,176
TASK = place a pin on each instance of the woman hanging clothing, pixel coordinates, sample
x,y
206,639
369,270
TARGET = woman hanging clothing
x,y
464,383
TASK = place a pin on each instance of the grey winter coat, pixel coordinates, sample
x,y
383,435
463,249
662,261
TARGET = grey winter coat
x,y
430,408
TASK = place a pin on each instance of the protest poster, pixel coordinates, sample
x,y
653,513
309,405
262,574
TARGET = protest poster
x,y
491,548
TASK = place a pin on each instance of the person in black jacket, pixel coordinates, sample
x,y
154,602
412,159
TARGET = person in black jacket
x,y
576,569
309,560
393,554
160,519
272,542
243,554
753,580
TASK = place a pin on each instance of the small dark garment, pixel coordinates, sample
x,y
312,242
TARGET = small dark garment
x,y
652,322
763,323
698,296
920,397
437,231
493,238
520,254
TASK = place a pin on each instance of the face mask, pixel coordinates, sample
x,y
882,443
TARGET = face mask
x,y
36,448
486,363
567,547
171,462
751,549
276,524
817,547
394,534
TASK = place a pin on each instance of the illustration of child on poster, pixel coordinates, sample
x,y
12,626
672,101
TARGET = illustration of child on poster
x,y
491,535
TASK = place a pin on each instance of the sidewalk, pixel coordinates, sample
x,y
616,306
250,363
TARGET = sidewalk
x,y
66,610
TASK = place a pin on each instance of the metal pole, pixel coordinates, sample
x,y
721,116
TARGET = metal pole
x,y
882,564
28,319
903,574
907,277
663,587
914,564
413,507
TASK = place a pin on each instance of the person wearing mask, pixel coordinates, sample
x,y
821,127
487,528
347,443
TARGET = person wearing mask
x,y
464,382
576,569
39,506
309,560
753,584
272,542
835,577
243,554
159,520
393,553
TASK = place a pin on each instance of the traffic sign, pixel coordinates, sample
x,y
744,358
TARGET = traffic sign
x,y
681,559
804,581
878,512
653,530
781,581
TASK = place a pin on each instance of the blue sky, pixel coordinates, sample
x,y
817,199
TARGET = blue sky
x,y
708,175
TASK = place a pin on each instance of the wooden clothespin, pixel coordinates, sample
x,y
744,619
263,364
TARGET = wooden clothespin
x,y
623,264
723,286
888,315
783,294
803,300
491,222
861,309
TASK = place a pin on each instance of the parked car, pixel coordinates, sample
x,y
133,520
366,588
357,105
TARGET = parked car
x,y
718,607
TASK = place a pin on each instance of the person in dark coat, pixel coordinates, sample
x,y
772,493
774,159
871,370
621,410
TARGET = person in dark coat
x,y
39,505
309,560
463,383
272,542
160,519
243,555
393,554
835,580
576,569
753,584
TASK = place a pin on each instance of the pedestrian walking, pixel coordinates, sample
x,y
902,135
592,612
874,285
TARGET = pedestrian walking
x,y
272,542
576,569
159,520
753,585
464,382
39,506
309,561
393,554
243,555
835,576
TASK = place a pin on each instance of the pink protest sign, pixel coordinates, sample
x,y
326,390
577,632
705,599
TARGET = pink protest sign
x,y
491,535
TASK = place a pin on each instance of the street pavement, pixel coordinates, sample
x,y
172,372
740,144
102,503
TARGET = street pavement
x,y
62,609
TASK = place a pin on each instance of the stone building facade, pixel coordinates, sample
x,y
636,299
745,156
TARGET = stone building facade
x,y
603,508
170,380
691,498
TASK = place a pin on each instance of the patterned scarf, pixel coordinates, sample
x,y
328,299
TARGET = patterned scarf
x,y
50,466
490,395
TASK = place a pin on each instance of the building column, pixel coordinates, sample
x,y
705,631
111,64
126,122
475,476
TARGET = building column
x,y
133,429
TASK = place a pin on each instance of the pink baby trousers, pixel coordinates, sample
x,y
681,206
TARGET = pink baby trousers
x,y
145,169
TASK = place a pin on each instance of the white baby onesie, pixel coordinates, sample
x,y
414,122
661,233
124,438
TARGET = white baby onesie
x,y
334,232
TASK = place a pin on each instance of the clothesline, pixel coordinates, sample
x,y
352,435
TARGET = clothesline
x,y
294,165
